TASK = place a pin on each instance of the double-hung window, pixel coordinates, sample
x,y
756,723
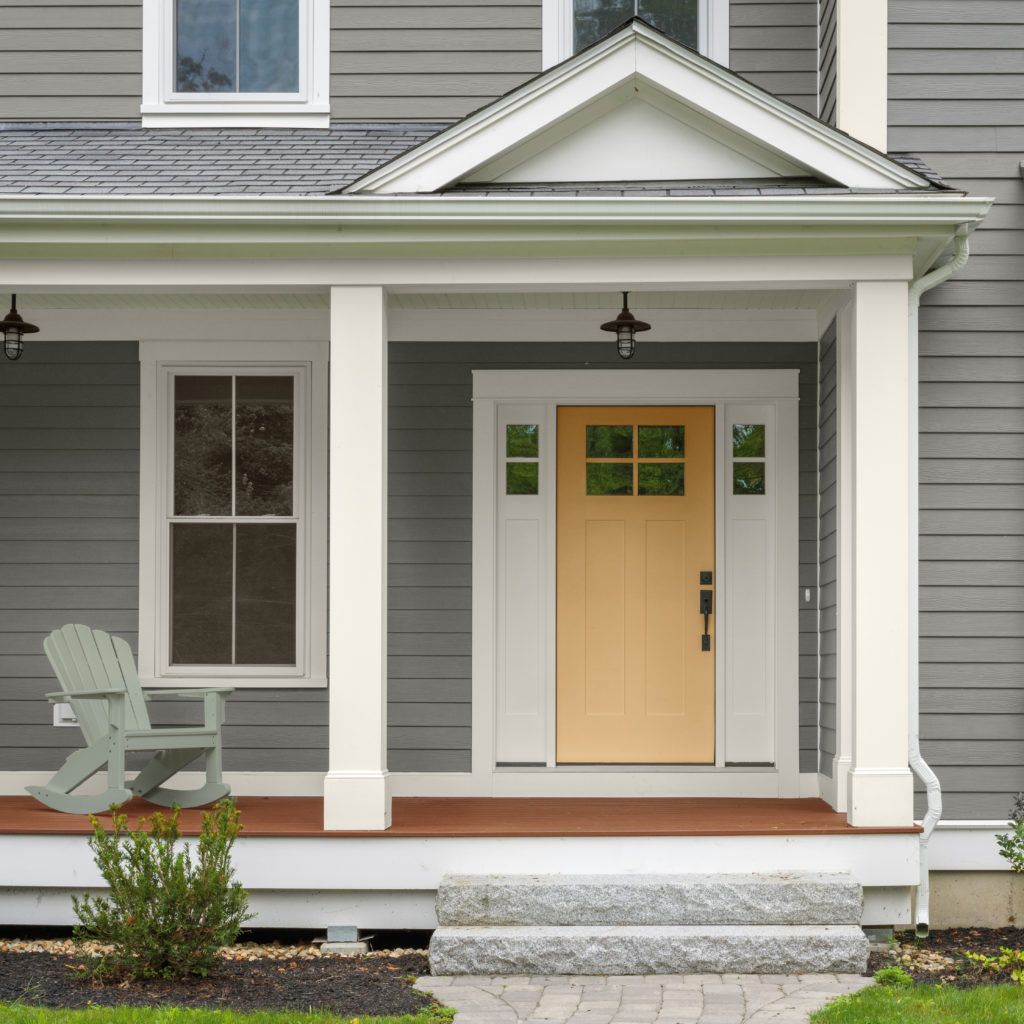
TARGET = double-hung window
x,y
232,553
573,25
236,62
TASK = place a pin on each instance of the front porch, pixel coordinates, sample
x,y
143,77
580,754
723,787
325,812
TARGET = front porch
x,y
299,875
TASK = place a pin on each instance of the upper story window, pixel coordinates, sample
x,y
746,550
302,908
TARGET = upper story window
x,y
236,62
572,25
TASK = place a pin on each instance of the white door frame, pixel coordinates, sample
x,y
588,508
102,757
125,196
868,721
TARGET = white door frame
x,y
549,388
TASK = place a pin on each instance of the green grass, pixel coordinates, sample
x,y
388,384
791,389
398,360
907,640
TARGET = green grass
x,y
927,1004
22,1013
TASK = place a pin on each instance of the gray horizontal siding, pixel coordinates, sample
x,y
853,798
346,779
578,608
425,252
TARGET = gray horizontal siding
x,y
956,88
70,60
430,527
419,61
828,598
774,44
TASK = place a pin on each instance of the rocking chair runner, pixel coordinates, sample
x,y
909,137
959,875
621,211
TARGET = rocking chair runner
x,y
100,682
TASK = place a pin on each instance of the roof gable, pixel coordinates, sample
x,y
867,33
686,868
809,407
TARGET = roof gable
x,y
637,106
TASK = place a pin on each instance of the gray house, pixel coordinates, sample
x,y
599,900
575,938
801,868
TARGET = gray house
x,y
321,408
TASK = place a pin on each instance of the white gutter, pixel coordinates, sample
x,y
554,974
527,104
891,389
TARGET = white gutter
x,y
917,763
916,210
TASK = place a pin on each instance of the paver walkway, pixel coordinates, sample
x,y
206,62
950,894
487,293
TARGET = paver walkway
x,y
654,999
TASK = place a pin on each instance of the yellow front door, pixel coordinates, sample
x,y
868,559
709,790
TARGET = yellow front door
x,y
636,515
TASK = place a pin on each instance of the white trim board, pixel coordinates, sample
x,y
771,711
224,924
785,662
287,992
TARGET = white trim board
x,y
771,395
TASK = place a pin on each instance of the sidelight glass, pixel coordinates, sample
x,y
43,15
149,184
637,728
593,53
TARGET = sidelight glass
x,y
522,440
521,478
748,478
748,440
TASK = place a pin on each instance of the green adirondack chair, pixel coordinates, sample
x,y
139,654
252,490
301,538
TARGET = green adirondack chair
x,y
100,682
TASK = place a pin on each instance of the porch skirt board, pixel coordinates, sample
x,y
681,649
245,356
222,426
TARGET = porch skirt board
x,y
648,924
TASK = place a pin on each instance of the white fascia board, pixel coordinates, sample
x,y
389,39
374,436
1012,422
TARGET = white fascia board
x,y
637,53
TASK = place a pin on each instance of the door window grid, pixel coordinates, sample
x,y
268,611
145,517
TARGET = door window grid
x,y
635,460
749,461
522,458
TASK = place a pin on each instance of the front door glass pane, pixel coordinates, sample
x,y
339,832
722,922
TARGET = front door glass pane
x,y
661,478
609,478
610,442
662,442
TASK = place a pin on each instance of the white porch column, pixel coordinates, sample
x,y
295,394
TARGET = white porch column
x,y
357,791
880,785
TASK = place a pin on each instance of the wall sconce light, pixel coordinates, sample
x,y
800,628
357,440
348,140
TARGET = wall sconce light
x,y
14,327
625,326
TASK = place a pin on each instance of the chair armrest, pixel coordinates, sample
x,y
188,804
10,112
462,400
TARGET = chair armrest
x,y
62,696
194,691
213,701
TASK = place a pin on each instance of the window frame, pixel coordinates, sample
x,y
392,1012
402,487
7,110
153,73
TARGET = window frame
x,y
310,107
557,31
161,362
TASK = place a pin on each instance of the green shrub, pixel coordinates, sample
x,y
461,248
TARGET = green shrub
x,y
1011,845
1008,959
166,916
893,977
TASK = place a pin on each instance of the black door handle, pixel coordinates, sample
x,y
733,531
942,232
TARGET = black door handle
x,y
705,610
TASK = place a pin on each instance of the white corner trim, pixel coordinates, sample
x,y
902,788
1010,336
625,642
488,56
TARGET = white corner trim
x,y
637,55
862,34
163,107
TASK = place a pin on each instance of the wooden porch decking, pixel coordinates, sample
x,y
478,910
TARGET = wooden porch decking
x,y
465,817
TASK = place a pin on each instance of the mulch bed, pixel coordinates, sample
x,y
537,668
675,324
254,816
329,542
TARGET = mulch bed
x,y
380,985
939,959
347,986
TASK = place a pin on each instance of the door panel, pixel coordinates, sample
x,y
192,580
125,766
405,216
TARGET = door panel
x,y
635,528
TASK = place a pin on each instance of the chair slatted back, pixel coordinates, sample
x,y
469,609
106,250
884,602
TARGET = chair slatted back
x,y
89,659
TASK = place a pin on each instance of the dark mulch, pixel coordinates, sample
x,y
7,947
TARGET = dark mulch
x,y
940,957
378,986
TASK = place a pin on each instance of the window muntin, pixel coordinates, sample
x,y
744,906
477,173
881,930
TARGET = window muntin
x,y
237,46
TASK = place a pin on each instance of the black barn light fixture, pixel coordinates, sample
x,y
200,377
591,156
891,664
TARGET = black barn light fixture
x,y
14,327
625,326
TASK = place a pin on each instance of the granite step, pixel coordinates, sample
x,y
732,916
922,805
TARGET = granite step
x,y
685,899
640,949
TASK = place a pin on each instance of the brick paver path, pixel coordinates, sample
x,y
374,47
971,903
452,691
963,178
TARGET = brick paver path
x,y
654,999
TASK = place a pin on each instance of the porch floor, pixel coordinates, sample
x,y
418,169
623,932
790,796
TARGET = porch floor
x,y
465,817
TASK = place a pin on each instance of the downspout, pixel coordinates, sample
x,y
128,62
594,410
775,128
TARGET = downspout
x,y
917,763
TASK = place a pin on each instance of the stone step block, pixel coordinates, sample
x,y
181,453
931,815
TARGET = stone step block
x,y
695,899
708,949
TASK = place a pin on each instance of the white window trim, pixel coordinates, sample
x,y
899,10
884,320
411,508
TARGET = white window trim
x,y
158,359
161,106
557,31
